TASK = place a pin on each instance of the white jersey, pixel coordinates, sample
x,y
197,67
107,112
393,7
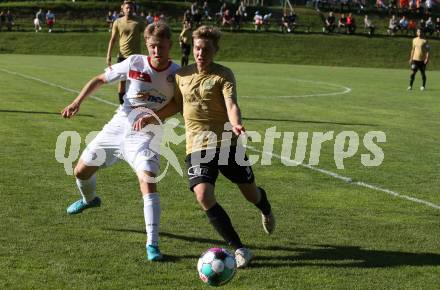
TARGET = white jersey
x,y
146,86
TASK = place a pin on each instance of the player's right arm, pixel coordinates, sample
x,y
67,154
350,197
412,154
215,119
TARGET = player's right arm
x,y
86,91
412,53
111,43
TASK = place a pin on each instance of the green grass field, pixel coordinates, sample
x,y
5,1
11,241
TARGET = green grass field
x,y
331,234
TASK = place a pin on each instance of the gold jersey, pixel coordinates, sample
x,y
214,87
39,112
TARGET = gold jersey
x,y
421,48
201,96
186,36
129,32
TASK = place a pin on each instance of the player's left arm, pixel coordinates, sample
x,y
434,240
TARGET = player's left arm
x,y
229,91
94,84
234,116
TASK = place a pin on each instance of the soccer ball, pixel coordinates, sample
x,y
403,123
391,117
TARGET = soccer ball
x,y
216,266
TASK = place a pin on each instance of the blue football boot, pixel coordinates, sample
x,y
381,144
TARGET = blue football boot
x,y
153,253
78,206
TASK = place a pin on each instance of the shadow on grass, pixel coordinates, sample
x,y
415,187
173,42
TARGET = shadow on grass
x,y
314,255
307,121
174,236
40,112
346,257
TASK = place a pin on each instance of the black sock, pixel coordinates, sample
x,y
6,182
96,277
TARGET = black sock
x,y
423,78
121,98
222,224
263,204
411,80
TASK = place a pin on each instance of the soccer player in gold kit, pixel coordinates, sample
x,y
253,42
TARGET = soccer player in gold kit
x,y
206,95
419,58
128,29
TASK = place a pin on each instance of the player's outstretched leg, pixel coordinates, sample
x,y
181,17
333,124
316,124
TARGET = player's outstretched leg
x,y
267,217
258,197
221,222
86,183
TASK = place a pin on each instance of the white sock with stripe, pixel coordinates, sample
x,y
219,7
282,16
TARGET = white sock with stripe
x,y
152,217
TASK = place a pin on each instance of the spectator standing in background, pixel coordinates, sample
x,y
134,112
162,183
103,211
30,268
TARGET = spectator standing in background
x,y
351,24
242,9
2,19
109,20
50,20
429,26
185,40
437,26
369,26
38,20
428,6
9,20
205,9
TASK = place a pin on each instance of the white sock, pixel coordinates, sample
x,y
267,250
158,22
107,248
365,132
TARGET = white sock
x,y
87,188
152,217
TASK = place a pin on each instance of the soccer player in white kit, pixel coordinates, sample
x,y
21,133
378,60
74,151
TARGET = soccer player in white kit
x,y
150,83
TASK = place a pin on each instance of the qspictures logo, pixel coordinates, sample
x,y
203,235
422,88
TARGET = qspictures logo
x,y
160,136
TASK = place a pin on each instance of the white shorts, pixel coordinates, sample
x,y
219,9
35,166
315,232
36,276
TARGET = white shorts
x,y
118,141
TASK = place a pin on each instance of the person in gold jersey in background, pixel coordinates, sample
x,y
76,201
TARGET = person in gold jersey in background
x,y
419,58
128,29
185,40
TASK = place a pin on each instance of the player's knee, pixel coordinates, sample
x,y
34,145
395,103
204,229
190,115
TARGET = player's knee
x,y
80,173
205,199
83,172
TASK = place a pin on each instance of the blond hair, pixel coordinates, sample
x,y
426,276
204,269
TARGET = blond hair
x,y
158,29
208,32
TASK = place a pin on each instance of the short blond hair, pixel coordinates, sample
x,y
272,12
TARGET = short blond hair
x,y
127,2
158,29
207,32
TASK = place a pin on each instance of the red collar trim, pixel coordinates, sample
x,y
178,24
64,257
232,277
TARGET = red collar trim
x,y
155,68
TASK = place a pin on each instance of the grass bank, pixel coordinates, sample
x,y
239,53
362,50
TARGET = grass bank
x,y
316,49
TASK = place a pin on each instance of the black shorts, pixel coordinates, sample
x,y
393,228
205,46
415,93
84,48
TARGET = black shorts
x,y
200,171
121,59
418,65
186,49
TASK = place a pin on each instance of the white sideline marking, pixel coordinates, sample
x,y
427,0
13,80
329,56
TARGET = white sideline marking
x,y
345,90
56,86
326,172
349,180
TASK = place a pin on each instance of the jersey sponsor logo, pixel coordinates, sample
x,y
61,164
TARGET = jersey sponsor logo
x,y
198,171
140,76
156,99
